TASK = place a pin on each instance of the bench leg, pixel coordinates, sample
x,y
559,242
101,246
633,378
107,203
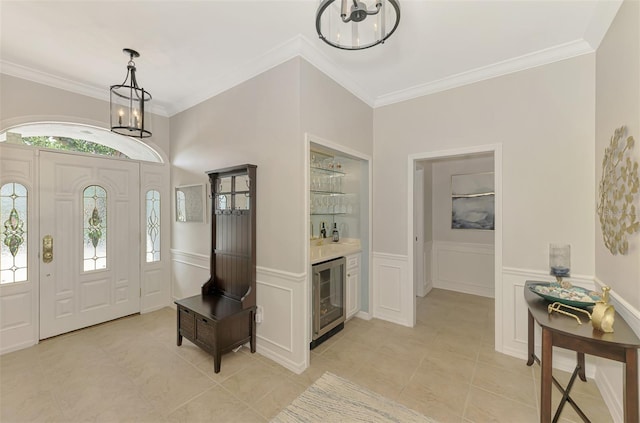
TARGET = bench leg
x,y
217,359
179,339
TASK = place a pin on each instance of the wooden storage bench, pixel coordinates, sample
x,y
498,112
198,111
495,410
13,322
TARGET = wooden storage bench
x,y
216,324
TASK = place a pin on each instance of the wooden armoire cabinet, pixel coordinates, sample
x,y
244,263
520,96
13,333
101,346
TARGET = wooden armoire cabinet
x,y
222,317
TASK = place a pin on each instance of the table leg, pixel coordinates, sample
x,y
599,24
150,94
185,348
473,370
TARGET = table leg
x,y
530,340
581,372
630,395
546,378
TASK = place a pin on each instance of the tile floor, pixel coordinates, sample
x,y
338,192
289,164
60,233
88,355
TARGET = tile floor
x,y
130,370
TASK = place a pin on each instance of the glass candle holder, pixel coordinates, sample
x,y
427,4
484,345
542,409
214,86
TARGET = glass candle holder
x,y
560,259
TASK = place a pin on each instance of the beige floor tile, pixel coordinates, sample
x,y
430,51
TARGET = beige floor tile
x,y
30,404
214,405
440,400
278,398
488,355
516,385
486,407
253,382
231,363
447,343
385,374
251,416
131,370
346,357
445,367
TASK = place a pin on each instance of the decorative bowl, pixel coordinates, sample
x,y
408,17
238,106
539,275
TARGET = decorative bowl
x,y
575,296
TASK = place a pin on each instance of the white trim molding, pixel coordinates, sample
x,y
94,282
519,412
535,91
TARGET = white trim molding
x,y
390,279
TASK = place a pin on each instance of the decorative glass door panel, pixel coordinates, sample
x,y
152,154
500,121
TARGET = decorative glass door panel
x,y
153,226
95,228
13,217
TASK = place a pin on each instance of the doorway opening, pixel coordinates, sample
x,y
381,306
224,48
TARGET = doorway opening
x,y
442,254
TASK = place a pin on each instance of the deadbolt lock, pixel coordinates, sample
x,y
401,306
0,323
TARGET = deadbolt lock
x,y
47,249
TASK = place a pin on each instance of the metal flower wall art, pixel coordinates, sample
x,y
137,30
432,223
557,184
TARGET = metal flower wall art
x,y
618,194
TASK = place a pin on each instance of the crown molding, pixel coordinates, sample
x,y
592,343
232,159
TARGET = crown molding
x,y
54,81
527,61
298,46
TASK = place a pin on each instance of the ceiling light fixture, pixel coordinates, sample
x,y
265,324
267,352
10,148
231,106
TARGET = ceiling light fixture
x,y
127,103
343,23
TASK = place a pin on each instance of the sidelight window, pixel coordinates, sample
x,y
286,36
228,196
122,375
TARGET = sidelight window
x,y
153,226
13,233
95,228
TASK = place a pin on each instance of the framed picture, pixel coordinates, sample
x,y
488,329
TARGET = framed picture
x,y
473,201
190,203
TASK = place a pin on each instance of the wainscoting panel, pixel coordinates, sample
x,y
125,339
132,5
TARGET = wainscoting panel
x,y
392,291
282,334
16,317
463,267
154,290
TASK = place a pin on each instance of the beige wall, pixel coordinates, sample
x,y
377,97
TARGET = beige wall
x,y
255,122
332,113
617,104
23,101
543,117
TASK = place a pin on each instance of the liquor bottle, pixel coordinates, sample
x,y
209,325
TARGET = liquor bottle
x,y
335,234
323,231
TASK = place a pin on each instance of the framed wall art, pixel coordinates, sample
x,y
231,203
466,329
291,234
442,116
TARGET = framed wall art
x,y
473,201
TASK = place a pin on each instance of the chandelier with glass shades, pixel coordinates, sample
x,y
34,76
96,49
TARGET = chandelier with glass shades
x,y
356,24
128,103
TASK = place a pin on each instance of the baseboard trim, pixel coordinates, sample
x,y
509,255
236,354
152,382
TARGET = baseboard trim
x,y
17,347
297,368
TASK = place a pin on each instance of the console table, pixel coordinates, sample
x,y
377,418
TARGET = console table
x,y
565,332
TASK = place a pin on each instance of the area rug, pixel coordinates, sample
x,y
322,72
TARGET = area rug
x,y
334,399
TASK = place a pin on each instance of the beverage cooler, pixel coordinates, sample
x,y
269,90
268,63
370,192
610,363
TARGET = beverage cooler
x,y
328,299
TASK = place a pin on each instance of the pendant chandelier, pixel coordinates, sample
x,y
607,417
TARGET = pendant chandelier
x,y
127,103
356,24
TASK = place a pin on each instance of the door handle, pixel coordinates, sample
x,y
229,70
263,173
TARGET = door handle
x,y
47,249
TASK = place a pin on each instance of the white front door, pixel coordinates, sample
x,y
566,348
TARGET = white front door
x,y
89,209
